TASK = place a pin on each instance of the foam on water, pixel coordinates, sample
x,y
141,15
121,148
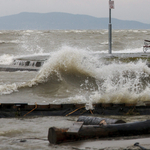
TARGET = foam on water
x,y
115,82
136,50
123,83
6,59
10,42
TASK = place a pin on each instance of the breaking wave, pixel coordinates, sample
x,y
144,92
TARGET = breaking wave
x,y
6,59
94,79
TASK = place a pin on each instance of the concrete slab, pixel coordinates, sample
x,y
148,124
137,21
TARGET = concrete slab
x,y
12,68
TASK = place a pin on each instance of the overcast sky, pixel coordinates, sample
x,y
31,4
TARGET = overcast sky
x,y
138,10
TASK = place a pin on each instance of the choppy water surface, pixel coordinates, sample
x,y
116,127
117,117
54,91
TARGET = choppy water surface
x,y
74,73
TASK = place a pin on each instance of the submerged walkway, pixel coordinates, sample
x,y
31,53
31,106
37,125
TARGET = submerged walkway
x,y
33,63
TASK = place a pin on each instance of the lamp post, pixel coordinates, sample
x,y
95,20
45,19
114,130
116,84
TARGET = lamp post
x,y
111,6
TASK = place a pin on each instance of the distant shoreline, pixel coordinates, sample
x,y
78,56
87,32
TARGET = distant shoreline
x,y
64,21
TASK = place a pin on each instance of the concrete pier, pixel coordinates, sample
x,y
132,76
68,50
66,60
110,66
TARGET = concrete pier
x,y
13,68
33,63
29,63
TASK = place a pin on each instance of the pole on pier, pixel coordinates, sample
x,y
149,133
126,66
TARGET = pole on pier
x,y
111,6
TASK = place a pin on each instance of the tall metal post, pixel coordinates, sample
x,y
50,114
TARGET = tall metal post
x,y
110,31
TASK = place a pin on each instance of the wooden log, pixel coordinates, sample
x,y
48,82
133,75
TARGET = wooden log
x,y
56,135
98,120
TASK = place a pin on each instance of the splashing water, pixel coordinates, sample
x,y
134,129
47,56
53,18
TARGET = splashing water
x,y
98,81
6,59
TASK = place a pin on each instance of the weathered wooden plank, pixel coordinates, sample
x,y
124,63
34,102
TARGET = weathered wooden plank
x,y
75,127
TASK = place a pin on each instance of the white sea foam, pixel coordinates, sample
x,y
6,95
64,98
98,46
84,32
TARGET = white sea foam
x,y
6,59
9,42
136,50
122,82
116,82
28,31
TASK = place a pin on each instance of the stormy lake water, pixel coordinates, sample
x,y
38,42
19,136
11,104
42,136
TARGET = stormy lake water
x,y
75,72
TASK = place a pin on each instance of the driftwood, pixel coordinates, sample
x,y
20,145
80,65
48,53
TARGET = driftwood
x,y
57,135
98,121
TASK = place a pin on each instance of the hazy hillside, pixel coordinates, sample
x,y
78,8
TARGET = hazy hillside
x,y
51,21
